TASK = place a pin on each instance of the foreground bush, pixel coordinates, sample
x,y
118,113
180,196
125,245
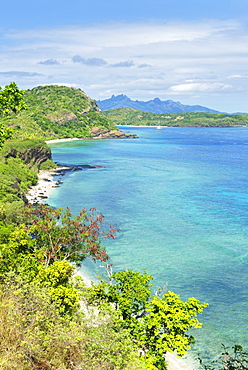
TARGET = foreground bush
x,y
33,335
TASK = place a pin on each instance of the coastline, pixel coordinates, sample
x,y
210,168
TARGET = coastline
x,y
140,126
87,281
177,363
38,193
45,185
61,140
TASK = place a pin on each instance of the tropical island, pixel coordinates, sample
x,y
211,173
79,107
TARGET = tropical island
x,y
50,319
134,117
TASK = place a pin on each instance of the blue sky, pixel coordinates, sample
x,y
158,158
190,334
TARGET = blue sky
x,y
194,51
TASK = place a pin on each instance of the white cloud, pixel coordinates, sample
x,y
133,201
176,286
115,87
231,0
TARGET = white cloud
x,y
199,87
124,64
126,34
237,76
154,59
48,62
94,62
20,74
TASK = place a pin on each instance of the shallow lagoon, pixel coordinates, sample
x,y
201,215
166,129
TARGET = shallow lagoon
x,y
180,198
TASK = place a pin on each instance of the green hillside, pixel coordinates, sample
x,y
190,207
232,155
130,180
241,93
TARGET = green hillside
x,y
57,112
133,117
51,112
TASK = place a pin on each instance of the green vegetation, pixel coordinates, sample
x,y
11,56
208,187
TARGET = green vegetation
x,y
19,165
16,178
35,335
156,324
132,117
48,318
11,101
56,112
42,324
29,118
19,160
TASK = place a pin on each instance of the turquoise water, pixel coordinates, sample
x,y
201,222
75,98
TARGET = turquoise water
x,y
180,198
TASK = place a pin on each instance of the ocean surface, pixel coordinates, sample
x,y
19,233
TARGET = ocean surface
x,y
180,199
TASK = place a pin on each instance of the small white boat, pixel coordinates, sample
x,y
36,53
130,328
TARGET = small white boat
x,y
159,126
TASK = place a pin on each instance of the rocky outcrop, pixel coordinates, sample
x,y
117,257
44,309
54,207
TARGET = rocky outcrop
x,y
66,117
99,133
32,156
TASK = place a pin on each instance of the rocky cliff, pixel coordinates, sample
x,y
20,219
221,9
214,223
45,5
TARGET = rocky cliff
x,y
34,153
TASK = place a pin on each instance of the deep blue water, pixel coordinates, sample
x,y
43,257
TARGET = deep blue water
x,y
180,198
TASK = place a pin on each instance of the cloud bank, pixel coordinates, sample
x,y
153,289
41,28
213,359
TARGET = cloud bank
x,y
202,62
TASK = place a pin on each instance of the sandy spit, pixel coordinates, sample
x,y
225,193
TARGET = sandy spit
x,y
61,140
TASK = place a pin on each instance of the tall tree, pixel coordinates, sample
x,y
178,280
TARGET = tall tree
x,y
156,324
11,102
58,236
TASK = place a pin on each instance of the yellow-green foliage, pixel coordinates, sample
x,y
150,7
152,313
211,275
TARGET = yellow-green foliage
x,y
11,101
41,323
169,319
157,325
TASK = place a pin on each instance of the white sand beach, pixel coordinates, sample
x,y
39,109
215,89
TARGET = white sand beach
x,y
177,363
61,140
87,281
44,187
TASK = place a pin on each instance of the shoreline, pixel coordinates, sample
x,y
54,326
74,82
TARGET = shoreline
x,y
61,140
46,184
178,363
86,279
142,126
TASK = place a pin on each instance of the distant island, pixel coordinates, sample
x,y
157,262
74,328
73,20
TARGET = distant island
x,y
133,117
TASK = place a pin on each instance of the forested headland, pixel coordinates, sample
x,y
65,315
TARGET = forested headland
x,y
133,117
49,319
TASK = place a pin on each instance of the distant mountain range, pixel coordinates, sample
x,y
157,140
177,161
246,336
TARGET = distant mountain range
x,y
153,106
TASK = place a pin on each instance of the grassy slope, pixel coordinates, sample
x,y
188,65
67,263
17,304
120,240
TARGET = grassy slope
x,y
53,112
57,112
19,164
127,116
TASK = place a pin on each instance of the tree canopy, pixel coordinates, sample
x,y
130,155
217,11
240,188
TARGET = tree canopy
x,y
156,324
57,112
133,117
11,101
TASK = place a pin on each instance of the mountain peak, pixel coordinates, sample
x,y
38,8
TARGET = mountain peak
x,y
157,100
153,106
120,96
